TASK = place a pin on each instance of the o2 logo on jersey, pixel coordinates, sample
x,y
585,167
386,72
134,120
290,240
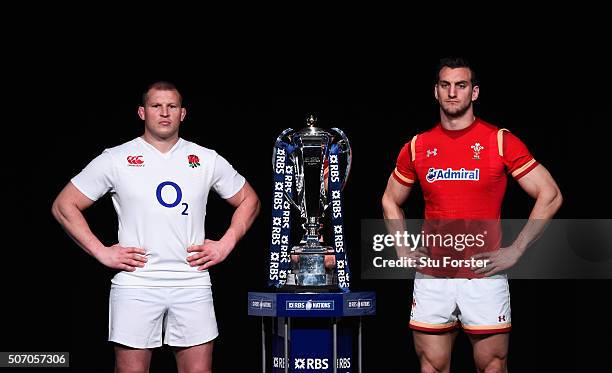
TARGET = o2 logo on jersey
x,y
179,196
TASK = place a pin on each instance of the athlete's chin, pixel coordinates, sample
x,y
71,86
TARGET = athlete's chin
x,y
166,132
454,112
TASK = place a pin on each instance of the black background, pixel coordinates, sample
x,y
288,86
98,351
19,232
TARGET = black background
x,y
550,92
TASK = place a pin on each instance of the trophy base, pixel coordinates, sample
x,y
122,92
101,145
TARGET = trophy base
x,y
324,284
310,267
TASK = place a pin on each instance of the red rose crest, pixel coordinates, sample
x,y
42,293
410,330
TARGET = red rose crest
x,y
194,161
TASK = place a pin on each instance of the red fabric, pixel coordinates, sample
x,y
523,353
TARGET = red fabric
x,y
516,155
463,179
405,166
433,330
488,331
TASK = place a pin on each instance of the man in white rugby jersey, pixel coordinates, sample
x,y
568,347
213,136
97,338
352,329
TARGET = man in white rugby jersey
x,y
159,184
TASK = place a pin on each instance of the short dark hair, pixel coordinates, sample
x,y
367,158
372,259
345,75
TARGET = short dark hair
x,y
453,63
162,86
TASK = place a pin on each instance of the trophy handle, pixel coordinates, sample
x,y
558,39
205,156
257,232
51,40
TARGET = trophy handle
x,y
281,138
345,147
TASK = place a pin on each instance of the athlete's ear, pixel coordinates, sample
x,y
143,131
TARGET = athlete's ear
x,y
436,91
141,112
183,113
475,92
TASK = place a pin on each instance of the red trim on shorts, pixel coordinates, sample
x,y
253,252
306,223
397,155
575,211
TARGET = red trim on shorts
x,y
488,331
433,330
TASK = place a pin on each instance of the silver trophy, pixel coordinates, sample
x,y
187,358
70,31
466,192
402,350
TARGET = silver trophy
x,y
311,198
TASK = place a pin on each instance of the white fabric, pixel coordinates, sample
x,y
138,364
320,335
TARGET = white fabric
x,y
138,317
478,304
140,179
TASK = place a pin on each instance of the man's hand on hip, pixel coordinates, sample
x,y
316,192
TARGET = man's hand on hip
x,y
124,258
498,261
207,254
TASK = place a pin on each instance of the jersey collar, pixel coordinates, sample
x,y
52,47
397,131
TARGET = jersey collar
x,y
166,155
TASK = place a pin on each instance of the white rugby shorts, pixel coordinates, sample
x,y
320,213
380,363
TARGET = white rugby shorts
x,y
140,317
479,305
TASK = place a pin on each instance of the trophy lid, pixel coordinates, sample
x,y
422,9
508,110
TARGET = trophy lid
x,y
311,121
311,128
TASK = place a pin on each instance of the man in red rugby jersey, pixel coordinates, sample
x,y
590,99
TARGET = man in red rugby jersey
x,y
461,165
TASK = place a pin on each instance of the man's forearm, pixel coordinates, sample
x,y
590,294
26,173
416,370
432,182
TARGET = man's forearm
x,y
242,219
544,209
529,234
394,221
75,225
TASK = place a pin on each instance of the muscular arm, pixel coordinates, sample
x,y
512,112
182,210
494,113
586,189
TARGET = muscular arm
x,y
67,209
394,197
214,252
247,207
540,185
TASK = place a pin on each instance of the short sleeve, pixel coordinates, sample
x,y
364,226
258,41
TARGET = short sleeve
x,y
404,171
517,158
96,179
226,180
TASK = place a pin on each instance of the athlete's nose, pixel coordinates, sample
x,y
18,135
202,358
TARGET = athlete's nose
x,y
164,111
452,92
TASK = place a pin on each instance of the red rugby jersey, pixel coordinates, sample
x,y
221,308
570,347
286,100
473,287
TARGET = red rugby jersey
x,y
463,177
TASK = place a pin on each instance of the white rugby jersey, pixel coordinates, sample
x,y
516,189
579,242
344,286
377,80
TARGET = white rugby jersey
x,y
160,200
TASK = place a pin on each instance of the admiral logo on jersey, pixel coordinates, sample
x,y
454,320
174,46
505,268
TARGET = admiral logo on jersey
x,y
135,160
435,174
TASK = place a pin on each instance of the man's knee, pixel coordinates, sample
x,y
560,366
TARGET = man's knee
x,y
127,366
428,368
496,364
434,363
197,369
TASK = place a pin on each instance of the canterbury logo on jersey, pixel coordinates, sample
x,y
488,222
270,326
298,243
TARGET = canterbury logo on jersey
x,y
435,174
135,161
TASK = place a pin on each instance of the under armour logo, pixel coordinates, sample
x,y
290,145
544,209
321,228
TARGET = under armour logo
x,y
431,153
501,318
